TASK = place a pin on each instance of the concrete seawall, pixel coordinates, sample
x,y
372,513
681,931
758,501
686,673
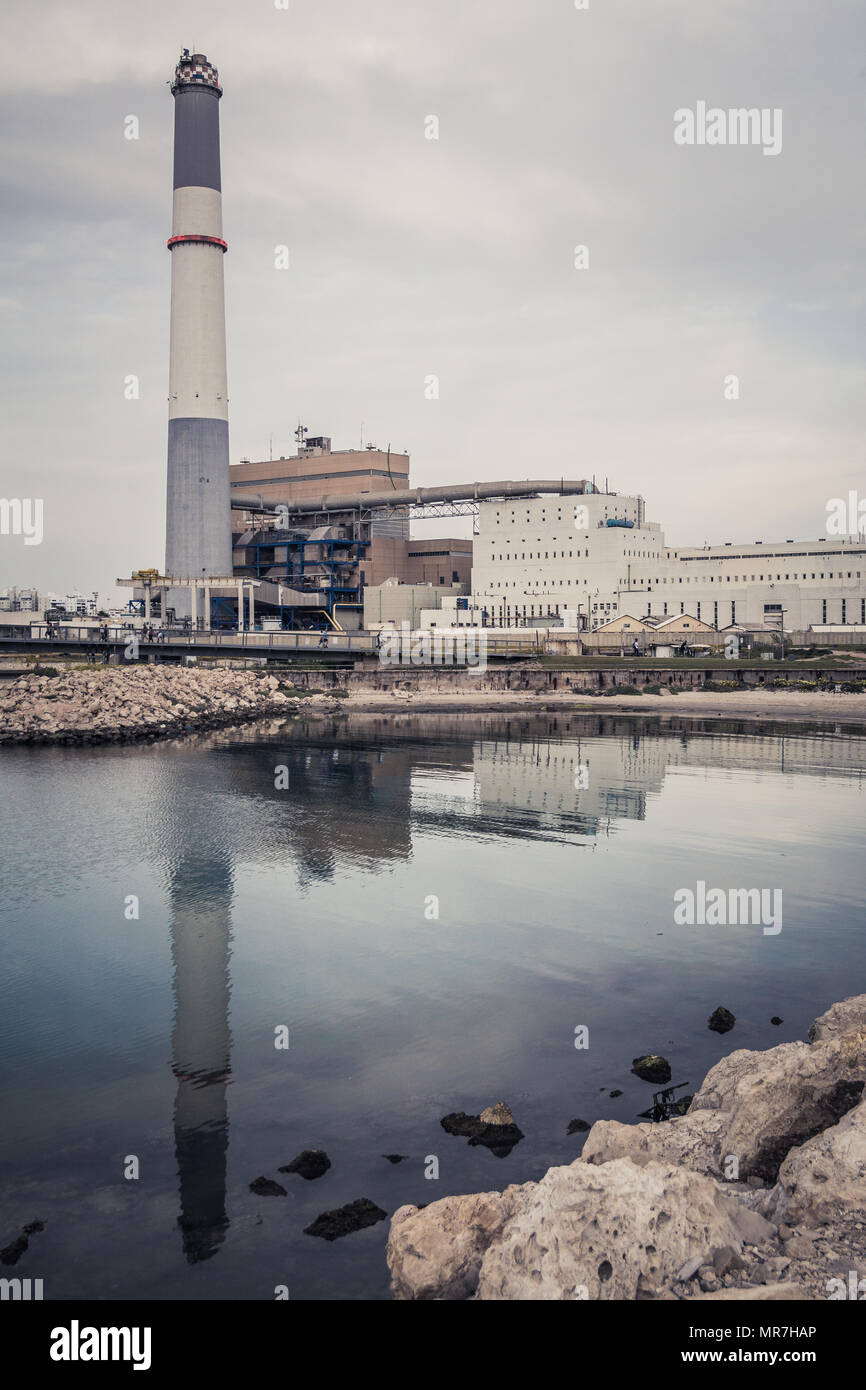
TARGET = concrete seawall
x,y
529,678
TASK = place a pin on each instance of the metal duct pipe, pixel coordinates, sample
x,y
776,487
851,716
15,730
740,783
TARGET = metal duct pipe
x,y
417,496
253,502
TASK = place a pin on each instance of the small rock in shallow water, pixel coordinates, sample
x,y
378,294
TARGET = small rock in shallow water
x,y
651,1067
499,1139
497,1114
577,1127
721,1020
331,1225
614,1094
776,1020
12,1253
266,1187
395,1158
309,1164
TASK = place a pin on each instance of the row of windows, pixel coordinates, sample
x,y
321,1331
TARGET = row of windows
x,y
702,579
746,578
521,584
530,556
552,610
432,554
506,611
549,583
771,555
769,608
633,554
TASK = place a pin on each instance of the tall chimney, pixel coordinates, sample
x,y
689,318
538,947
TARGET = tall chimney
x,y
198,520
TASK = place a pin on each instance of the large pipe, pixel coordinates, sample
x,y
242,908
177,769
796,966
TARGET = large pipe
x,y
415,496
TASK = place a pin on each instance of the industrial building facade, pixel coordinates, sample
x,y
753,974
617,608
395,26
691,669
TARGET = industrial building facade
x,y
323,555
317,468
300,539
597,556
541,558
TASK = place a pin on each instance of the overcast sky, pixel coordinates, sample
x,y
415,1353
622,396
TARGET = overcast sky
x,y
411,257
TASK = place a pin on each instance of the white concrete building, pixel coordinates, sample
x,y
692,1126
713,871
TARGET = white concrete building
x,y
15,600
539,557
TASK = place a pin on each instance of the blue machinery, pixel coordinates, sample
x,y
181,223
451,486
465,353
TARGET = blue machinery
x,y
340,573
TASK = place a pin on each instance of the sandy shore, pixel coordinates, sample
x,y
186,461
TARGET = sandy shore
x,y
747,704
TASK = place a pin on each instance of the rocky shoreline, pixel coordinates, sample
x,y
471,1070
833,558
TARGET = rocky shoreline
x,y
758,1192
143,703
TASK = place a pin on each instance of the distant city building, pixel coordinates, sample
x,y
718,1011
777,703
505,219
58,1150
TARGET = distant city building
x,y
15,600
20,600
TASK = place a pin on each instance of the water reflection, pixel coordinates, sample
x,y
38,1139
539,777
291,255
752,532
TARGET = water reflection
x,y
360,794
201,900
360,788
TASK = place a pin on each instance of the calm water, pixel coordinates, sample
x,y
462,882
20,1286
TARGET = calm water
x,y
312,908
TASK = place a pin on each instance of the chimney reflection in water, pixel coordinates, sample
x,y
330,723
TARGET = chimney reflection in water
x,y
201,892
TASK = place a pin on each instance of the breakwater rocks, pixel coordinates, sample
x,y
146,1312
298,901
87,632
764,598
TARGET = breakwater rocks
x,y
757,1192
123,704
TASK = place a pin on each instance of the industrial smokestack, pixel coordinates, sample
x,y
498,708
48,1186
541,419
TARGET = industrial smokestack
x,y
198,525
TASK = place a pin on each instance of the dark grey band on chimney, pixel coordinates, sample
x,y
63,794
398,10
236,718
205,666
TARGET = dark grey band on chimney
x,y
197,137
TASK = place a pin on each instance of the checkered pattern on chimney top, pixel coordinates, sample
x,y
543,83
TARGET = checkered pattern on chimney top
x,y
189,71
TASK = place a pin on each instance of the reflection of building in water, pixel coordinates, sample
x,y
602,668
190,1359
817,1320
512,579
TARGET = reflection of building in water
x,y
542,786
574,782
358,791
359,788
801,752
346,801
201,894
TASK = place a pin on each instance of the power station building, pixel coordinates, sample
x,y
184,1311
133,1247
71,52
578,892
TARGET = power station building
x,y
341,524
598,557
303,540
